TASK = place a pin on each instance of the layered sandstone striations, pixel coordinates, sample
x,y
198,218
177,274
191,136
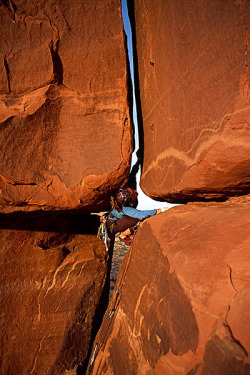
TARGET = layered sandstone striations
x,y
182,301
50,290
193,64
65,134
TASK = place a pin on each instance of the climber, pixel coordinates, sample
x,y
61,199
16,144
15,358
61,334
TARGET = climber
x,y
124,216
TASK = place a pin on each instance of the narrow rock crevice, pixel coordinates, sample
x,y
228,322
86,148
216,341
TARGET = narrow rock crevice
x,y
237,342
57,62
11,8
131,15
7,70
16,183
54,48
231,279
246,47
97,320
129,47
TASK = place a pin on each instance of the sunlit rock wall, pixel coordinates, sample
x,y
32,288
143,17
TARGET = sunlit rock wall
x,y
65,133
65,144
193,62
182,300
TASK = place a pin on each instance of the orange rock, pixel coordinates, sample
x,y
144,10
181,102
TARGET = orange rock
x,y
51,285
66,136
194,90
183,301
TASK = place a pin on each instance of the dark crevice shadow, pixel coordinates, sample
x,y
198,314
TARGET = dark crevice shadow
x,y
7,69
57,62
75,336
51,221
99,314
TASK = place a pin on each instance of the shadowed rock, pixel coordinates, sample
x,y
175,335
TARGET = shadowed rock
x,y
182,305
51,289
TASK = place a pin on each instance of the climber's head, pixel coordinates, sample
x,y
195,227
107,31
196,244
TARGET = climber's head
x,y
123,197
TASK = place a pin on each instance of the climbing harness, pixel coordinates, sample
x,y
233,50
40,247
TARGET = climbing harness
x,y
102,233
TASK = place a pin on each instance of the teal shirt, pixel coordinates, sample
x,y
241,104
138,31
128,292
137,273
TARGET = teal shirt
x,y
133,212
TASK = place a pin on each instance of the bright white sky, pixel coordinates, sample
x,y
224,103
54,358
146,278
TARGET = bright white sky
x,y
144,202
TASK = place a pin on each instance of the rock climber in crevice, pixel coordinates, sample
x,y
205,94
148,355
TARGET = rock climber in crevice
x,y
124,217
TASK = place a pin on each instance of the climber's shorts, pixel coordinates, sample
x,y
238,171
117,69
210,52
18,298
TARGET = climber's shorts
x,y
121,225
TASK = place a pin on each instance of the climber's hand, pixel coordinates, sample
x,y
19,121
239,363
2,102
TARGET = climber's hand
x,y
163,209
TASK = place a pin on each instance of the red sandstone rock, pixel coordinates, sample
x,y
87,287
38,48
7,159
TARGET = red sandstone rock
x,y
50,290
183,296
194,89
65,134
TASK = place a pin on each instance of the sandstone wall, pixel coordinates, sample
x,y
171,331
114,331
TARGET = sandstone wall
x,y
182,301
194,87
65,144
51,284
65,134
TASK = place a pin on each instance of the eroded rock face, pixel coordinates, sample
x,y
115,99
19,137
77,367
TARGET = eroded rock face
x,y
50,288
194,89
182,305
65,134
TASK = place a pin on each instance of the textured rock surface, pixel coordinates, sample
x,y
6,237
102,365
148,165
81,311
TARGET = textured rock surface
x,y
50,289
65,134
183,302
194,88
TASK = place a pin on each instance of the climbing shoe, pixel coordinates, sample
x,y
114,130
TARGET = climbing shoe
x,y
127,240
